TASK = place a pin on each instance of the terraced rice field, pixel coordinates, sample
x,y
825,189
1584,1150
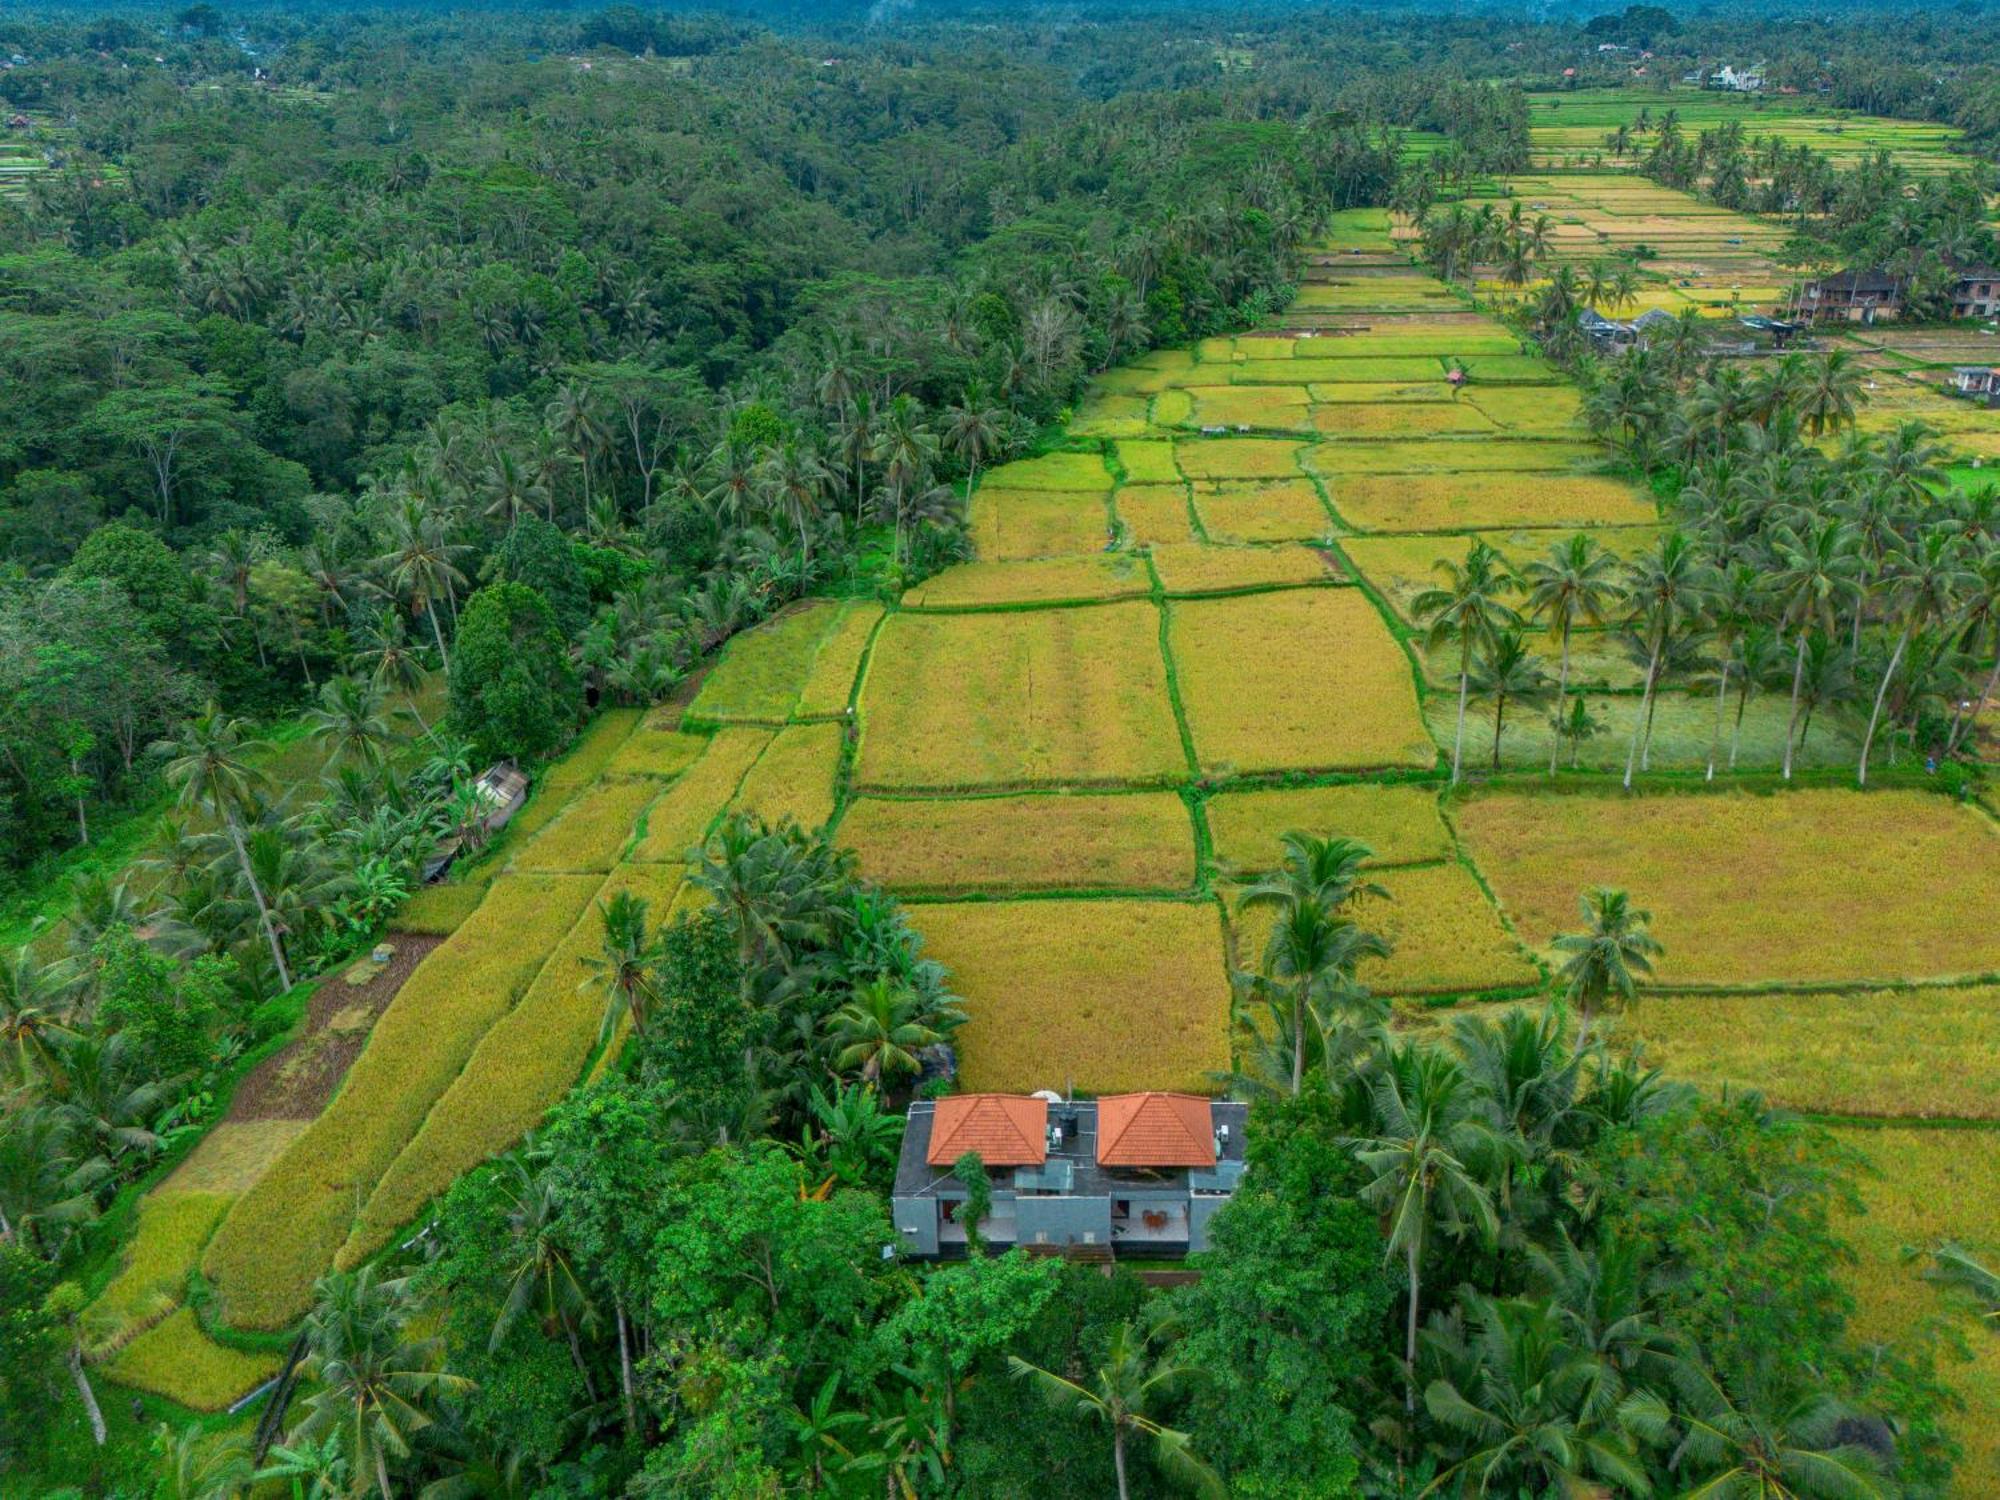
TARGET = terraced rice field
x,y
1176,645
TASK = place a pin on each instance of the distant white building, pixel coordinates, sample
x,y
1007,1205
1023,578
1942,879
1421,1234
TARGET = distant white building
x,y
1747,81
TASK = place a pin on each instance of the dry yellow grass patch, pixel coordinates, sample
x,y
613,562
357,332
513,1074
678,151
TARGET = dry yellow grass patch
x,y
527,1061
681,816
1110,414
1928,1186
1280,408
283,1232
175,1359
593,751
1445,936
837,663
1039,842
1375,392
763,670
233,1155
1196,568
1101,996
593,830
1008,525
1155,512
1150,462
1801,886
1237,458
794,777
1045,696
1556,410
1400,823
1046,580
1305,679
1286,510
1400,419
1052,471
652,750
1907,1053
1432,502
153,1272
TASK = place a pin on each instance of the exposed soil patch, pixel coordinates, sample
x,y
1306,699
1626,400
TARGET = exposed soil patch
x,y
296,1082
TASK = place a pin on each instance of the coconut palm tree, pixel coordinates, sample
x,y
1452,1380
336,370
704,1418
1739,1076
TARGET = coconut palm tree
x,y
625,968
1130,1380
1954,1266
1926,581
50,1176
1827,395
1529,1409
36,997
1666,589
794,482
1776,1445
1468,609
883,1028
972,431
421,566
1817,573
1607,959
1424,1150
350,722
1733,608
1507,669
392,662
1574,582
1309,959
371,1377
196,1464
208,770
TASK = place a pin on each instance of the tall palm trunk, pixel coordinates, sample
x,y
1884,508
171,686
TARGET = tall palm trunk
x,y
257,895
1721,703
1875,716
85,1394
1562,697
437,635
1644,720
1298,1036
625,1368
1798,681
1118,1459
1499,725
382,1472
1736,730
1464,691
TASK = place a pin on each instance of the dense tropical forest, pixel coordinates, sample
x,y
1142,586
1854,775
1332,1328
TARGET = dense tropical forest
x,y
392,394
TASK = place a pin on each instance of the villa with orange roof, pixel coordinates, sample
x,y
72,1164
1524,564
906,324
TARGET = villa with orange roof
x,y
1125,1175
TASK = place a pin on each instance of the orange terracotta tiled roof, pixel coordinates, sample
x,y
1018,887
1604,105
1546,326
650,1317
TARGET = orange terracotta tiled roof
x,y
1154,1130
1006,1130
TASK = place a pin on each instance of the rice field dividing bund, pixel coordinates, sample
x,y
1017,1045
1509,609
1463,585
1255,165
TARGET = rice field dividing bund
x,y
1187,631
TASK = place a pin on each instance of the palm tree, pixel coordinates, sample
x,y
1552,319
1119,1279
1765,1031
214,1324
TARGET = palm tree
x,y
1506,669
794,481
35,1013
1310,957
1817,572
1954,1266
1927,580
1733,608
49,1177
1666,589
1423,1152
350,721
1781,1445
201,1465
534,1264
1827,395
208,770
421,566
1468,610
1124,1386
883,1028
392,664
1608,958
372,1379
625,967
972,432
1530,1410
1574,582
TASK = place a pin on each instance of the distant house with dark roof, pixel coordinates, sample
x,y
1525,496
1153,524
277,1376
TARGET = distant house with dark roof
x,y
1850,297
1131,1175
1979,383
1976,293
